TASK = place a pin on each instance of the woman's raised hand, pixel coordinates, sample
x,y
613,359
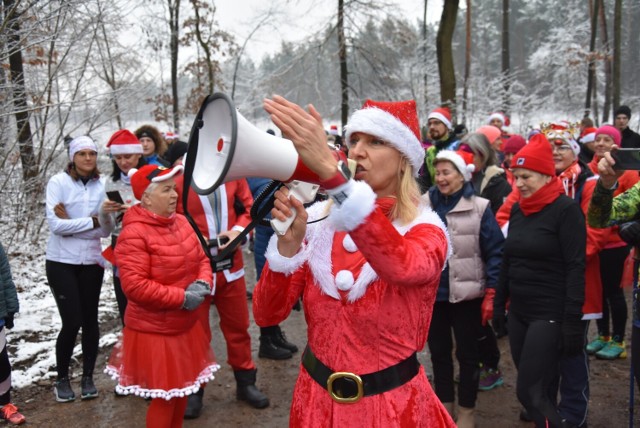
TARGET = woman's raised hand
x,y
290,242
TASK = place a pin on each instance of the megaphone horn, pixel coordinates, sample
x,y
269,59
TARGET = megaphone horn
x,y
231,148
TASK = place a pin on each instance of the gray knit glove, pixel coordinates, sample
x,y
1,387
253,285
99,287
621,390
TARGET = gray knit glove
x,y
195,294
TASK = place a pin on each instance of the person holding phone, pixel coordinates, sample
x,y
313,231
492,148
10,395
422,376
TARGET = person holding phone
x,y
74,264
609,344
608,209
126,154
368,272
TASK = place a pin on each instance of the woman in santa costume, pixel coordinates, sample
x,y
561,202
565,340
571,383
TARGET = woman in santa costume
x,y
368,272
164,353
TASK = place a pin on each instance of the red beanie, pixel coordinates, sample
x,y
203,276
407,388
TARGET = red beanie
x,y
513,144
611,132
536,156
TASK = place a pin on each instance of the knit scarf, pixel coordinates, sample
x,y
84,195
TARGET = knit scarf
x,y
569,178
543,197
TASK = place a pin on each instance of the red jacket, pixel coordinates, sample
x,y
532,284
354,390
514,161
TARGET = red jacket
x,y
158,258
229,219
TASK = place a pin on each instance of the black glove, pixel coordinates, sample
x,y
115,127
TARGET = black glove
x,y
500,324
195,294
630,232
8,320
573,335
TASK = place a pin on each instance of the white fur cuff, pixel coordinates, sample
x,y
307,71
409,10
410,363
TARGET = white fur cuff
x,y
355,209
281,264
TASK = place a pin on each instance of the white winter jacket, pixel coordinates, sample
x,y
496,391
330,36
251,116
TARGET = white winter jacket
x,y
74,240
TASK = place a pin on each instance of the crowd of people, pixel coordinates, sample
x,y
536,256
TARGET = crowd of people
x,y
451,239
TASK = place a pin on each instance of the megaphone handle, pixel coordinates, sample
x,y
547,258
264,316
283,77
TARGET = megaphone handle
x,y
305,193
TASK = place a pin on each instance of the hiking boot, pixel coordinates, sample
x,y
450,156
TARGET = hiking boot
x,y
63,390
280,340
597,344
612,351
247,390
10,414
88,389
269,349
194,405
489,379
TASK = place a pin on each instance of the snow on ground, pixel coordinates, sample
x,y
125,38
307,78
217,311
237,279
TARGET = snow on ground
x,y
32,341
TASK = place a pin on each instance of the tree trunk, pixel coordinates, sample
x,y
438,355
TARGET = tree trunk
x,y
592,60
506,67
174,22
205,47
607,63
617,41
467,62
445,54
19,93
424,57
342,54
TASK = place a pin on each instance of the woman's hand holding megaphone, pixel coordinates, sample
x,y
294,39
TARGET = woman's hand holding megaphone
x,y
306,131
283,208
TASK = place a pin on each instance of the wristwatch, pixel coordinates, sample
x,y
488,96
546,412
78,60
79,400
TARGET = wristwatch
x,y
342,176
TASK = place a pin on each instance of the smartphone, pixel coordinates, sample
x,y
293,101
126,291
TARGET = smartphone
x,y
626,158
222,240
114,196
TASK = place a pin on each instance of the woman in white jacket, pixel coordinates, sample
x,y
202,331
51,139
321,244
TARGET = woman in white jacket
x,y
74,263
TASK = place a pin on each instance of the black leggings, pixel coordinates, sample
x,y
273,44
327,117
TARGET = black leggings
x,y
613,302
76,289
535,351
5,370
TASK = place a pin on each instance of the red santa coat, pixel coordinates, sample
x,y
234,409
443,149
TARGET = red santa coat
x,y
369,287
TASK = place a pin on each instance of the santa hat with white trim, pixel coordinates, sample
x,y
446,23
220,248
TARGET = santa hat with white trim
x,y
443,114
124,142
588,135
395,122
463,161
501,117
143,177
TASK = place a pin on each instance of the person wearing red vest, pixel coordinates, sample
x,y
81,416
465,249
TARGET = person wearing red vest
x,y
215,216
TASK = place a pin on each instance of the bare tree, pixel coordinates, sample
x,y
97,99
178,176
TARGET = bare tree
x,y
617,40
506,67
174,28
445,54
607,63
591,75
425,97
344,75
467,62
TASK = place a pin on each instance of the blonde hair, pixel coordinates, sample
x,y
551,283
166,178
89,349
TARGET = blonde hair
x,y
408,194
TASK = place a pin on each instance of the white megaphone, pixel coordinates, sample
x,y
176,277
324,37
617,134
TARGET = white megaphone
x,y
230,148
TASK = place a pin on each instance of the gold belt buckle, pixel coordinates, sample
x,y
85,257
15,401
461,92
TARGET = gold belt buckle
x,y
345,400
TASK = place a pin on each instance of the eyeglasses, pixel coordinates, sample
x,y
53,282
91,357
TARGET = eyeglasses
x,y
561,148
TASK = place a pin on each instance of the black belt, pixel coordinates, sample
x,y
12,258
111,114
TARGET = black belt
x,y
345,387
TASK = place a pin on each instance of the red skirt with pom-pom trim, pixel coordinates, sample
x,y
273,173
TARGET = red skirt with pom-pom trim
x,y
154,365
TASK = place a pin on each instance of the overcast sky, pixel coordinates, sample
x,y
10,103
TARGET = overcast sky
x,y
293,20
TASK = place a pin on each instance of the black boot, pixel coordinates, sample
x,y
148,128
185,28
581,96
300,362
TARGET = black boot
x,y
281,341
194,405
269,348
247,391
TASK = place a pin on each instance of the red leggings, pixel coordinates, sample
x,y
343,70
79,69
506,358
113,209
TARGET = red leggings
x,y
166,413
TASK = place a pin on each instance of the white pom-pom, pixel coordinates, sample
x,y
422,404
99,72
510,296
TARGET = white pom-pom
x,y
344,280
132,171
348,244
471,168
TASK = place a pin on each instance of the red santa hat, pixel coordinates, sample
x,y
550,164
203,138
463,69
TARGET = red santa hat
x,y
443,114
588,135
124,142
143,177
333,130
500,116
81,143
536,156
395,122
463,161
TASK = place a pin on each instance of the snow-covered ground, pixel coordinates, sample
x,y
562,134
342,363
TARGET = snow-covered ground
x,y
32,341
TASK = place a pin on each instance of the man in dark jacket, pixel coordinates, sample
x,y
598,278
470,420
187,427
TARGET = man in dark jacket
x,y
630,139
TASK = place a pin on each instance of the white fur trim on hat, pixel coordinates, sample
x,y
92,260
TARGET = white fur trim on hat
x,y
574,146
379,123
174,170
589,138
81,143
441,117
126,149
498,116
457,161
